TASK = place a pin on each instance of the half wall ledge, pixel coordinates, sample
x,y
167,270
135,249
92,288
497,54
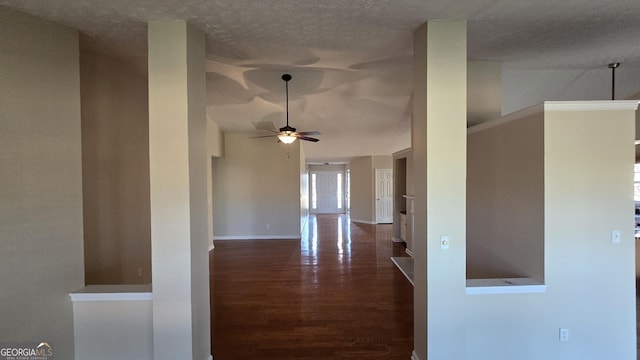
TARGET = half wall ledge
x,y
113,293
504,286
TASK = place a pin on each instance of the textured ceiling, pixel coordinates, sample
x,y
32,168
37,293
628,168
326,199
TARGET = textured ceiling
x,y
351,59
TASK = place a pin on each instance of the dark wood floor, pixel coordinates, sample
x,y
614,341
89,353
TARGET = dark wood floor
x,y
333,295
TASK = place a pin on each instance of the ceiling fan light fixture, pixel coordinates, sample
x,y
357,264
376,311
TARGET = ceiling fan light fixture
x,y
288,134
287,138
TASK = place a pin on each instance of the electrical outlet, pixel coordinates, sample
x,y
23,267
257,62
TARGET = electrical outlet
x,y
564,334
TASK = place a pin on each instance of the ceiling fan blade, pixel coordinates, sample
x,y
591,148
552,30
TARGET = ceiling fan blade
x,y
308,138
309,133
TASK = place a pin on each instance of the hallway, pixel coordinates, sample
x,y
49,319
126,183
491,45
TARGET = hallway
x,y
333,295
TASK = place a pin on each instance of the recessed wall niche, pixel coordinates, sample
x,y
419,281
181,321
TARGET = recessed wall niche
x,y
505,198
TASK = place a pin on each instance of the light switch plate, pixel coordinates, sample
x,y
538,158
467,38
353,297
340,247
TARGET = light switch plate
x,y
563,334
616,236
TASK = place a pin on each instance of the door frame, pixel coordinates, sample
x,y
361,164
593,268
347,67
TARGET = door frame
x,y
339,210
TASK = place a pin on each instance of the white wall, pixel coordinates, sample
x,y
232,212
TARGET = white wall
x,y
178,157
115,170
215,148
107,330
304,191
256,188
439,173
363,186
41,261
591,287
215,139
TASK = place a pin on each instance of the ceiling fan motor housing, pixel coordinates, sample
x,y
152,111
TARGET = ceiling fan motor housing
x,y
287,128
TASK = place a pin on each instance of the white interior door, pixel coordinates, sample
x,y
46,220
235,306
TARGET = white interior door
x,y
327,192
384,196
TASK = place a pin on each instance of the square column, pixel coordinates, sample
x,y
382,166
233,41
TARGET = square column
x,y
439,168
178,175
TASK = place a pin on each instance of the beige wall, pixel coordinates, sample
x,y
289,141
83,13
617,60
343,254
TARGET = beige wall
x,y
41,261
505,199
362,187
115,171
363,182
382,162
484,91
334,167
588,182
256,188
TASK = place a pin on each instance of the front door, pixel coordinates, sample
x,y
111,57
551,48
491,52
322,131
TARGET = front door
x,y
327,196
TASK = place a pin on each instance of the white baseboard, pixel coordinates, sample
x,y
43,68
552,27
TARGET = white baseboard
x,y
414,356
409,252
258,237
396,239
211,247
363,221
210,357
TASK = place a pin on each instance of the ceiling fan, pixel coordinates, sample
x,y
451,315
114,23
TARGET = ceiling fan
x,y
289,134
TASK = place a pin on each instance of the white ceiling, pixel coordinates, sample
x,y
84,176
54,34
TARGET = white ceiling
x,y
350,59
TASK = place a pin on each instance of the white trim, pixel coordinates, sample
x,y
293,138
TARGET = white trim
x,y
210,357
596,105
211,247
396,239
258,237
402,154
393,260
504,286
591,105
113,293
363,221
414,356
408,252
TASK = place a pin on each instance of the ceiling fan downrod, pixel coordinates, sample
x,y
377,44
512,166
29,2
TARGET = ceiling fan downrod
x,y
286,78
613,67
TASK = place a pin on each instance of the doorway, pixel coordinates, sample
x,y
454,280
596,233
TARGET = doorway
x,y
384,196
327,192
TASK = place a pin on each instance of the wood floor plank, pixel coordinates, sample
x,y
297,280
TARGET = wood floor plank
x,y
333,295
